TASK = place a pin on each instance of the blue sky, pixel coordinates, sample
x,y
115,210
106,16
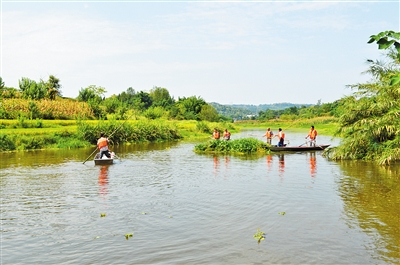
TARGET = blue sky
x,y
230,52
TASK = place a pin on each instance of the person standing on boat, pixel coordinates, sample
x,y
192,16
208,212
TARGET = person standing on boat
x,y
312,134
281,137
269,134
102,144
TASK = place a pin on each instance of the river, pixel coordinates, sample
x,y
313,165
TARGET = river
x,y
165,204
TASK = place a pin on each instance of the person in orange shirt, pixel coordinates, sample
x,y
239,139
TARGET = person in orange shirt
x,y
102,144
216,135
312,134
269,134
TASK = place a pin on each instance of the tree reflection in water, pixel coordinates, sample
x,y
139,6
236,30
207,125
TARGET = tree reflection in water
x,y
371,197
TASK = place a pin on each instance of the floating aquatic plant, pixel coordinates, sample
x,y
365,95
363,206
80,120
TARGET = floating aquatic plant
x,y
127,236
282,213
259,235
102,215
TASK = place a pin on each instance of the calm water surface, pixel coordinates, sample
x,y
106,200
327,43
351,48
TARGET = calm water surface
x,y
185,208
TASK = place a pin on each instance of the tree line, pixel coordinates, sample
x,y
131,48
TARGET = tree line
x,y
156,103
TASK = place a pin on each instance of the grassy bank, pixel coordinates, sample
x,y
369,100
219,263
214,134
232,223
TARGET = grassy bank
x,y
324,125
24,134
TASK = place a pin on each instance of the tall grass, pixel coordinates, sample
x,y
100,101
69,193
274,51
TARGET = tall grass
x,y
12,108
120,132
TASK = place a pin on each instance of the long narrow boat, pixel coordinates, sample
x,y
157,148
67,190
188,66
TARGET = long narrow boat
x,y
298,148
105,160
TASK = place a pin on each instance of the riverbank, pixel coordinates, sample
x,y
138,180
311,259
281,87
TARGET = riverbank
x,y
21,134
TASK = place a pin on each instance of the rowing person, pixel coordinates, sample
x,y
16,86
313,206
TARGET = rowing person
x,y
281,137
312,134
102,144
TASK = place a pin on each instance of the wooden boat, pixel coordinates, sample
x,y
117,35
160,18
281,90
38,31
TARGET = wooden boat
x,y
105,160
298,148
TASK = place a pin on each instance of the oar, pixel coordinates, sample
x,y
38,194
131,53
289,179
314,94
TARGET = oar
x,y
108,136
90,156
303,144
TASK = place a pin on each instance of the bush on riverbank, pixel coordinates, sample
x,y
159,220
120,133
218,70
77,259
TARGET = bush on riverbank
x,y
40,141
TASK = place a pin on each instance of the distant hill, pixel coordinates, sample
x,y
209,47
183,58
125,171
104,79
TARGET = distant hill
x,y
240,111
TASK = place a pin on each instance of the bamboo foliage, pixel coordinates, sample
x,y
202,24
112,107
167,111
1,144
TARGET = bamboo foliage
x,y
371,125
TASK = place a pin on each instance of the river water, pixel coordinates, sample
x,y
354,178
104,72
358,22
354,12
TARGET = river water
x,y
184,208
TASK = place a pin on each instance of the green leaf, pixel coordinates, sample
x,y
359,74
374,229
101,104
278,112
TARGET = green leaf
x,y
373,38
397,46
396,35
384,43
395,80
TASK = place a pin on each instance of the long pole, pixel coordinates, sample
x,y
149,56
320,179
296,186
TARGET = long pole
x,y
108,136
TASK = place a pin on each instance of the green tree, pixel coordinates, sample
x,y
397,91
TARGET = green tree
x,y
7,92
161,97
190,107
91,92
112,104
142,100
2,84
370,125
53,87
31,89
93,96
208,113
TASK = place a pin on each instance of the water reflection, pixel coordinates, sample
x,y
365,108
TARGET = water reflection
x,y
281,168
350,217
227,161
103,181
216,164
371,194
269,162
313,164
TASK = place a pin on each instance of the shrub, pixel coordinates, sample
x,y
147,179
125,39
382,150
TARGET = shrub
x,y
6,144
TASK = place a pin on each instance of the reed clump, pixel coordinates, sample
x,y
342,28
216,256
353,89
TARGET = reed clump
x,y
128,132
